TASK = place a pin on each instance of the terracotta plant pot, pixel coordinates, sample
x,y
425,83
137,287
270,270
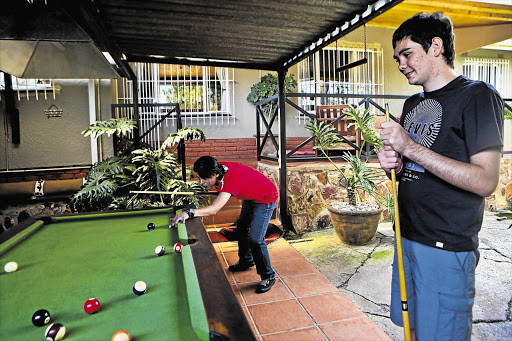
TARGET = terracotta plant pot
x,y
355,225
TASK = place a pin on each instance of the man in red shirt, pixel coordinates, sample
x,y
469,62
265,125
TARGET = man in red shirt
x,y
259,196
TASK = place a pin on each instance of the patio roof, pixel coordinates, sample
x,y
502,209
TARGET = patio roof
x,y
256,34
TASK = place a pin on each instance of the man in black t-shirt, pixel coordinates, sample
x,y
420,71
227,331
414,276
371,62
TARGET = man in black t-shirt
x,y
446,151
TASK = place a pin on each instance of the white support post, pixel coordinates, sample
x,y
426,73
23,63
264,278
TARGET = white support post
x,y
92,119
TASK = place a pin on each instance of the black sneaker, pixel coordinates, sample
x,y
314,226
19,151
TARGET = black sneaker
x,y
265,285
240,266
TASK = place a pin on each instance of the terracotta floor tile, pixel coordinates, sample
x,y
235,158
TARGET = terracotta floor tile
x,y
249,275
251,322
293,267
231,257
217,248
283,251
231,280
278,292
238,294
306,334
330,307
279,316
228,247
222,260
213,235
356,330
305,285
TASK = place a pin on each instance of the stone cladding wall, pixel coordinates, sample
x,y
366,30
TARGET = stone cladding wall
x,y
311,188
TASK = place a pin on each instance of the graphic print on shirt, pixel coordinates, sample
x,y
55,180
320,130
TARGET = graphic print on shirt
x,y
422,124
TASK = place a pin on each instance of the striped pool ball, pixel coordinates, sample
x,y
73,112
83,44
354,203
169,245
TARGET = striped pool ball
x,y
177,247
55,332
121,335
160,250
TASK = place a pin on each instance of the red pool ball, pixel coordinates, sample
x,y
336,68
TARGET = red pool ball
x,y
91,306
178,247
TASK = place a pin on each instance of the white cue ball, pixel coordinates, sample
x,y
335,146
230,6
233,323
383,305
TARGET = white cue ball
x,y
11,266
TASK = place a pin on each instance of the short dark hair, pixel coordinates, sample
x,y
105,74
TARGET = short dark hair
x,y
422,28
207,166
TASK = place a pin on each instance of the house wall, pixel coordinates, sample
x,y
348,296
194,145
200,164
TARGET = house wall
x,y
56,141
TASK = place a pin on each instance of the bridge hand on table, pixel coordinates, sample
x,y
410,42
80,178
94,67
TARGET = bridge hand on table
x,y
180,217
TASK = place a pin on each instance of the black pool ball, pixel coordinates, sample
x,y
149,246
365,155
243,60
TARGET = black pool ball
x,y
41,317
151,226
55,332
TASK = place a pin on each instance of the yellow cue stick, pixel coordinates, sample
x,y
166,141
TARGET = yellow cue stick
x,y
176,193
401,274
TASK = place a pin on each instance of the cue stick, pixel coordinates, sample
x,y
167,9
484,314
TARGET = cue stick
x,y
401,273
177,193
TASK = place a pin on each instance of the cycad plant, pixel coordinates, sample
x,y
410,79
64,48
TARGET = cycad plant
x,y
358,177
109,183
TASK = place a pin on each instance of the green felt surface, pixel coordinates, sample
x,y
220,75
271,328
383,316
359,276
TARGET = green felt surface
x,y
64,263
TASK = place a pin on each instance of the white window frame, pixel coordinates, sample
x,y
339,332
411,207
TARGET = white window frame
x,y
314,77
26,87
495,71
153,80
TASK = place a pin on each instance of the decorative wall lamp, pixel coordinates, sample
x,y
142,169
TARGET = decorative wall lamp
x,y
53,111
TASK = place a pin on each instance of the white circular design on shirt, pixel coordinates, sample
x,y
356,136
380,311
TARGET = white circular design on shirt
x,y
423,122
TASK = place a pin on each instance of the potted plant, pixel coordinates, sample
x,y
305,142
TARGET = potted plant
x,y
355,221
266,88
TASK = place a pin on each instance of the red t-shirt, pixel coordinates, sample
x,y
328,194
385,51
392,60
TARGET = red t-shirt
x,y
246,183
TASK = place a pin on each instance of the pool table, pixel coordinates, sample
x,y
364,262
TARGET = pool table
x,y
65,260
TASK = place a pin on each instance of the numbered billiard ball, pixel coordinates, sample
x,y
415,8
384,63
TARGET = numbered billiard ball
x,y
160,250
91,306
121,335
177,247
151,226
139,288
55,332
41,317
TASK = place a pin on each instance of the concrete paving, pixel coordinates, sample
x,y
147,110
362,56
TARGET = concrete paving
x,y
363,274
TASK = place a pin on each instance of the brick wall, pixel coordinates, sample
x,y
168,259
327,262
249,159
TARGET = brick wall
x,y
234,148
221,148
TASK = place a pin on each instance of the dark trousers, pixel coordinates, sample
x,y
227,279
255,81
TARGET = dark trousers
x,y
252,226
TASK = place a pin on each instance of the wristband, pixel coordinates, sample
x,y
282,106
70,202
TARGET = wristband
x,y
191,212
400,170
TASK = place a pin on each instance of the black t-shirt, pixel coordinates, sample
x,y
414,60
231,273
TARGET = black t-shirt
x,y
457,121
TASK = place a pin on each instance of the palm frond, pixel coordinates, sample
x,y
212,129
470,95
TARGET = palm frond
x,y
154,169
365,122
184,134
95,194
177,185
325,135
120,126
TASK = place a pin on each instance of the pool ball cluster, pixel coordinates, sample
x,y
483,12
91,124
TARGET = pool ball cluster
x,y
160,249
57,331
